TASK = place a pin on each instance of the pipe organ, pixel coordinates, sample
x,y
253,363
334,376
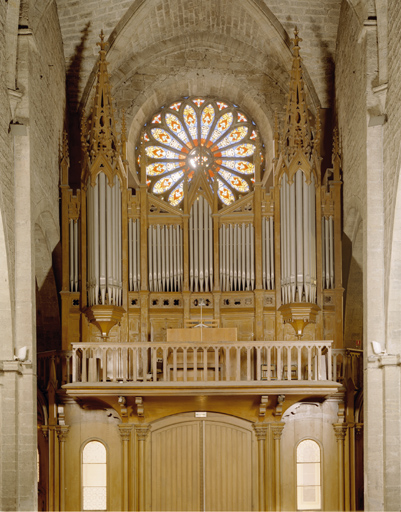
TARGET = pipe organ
x,y
165,258
201,220
104,242
237,258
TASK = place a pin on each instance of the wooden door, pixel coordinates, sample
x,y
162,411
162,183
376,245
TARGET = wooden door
x,y
202,464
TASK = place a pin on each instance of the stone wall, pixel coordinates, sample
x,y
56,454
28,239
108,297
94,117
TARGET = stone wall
x,y
81,22
351,117
29,154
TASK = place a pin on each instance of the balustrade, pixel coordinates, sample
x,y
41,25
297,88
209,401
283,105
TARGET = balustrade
x,y
226,362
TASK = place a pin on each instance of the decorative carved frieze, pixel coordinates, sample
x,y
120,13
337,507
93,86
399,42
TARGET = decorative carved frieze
x,y
74,205
237,301
165,301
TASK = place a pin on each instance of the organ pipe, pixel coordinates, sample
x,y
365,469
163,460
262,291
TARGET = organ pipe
x,y
268,253
134,263
74,252
164,258
328,252
237,257
298,239
200,247
104,242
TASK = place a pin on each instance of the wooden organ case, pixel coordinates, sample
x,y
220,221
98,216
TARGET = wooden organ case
x,y
264,261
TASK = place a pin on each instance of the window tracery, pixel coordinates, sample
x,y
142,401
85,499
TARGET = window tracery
x,y
200,135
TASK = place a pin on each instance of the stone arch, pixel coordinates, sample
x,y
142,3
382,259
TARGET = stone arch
x,y
268,34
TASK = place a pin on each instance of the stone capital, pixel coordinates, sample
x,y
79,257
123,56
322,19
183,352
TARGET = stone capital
x,y
62,432
277,429
340,431
45,431
142,431
260,430
125,430
359,429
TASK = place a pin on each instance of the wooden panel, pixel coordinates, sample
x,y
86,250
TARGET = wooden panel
x,y
208,334
228,467
176,467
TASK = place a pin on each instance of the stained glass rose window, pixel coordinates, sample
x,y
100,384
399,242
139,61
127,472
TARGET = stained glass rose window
x,y
200,135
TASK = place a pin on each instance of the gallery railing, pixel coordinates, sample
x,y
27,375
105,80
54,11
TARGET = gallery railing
x,y
109,362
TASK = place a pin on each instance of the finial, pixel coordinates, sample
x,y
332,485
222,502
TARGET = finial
x,y
123,134
103,45
296,42
318,129
65,145
336,142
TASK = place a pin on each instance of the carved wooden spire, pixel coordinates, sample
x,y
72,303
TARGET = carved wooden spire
x,y
297,133
100,134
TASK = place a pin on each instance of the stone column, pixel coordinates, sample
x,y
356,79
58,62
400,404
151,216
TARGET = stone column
x,y
142,432
125,433
277,430
62,432
340,430
261,432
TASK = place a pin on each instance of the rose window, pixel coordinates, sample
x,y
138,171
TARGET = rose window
x,y
200,135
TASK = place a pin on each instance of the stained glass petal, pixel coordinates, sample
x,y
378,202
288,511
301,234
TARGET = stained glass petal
x,y
166,183
176,106
207,120
240,166
163,137
234,136
198,101
225,193
175,126
235,181
222,126
176,195
241,150
161,167
221,105
158,152
190,120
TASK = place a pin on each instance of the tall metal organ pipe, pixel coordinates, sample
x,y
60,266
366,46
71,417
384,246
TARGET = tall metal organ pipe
x,y
74,252
328,252
134,260
268,253
237,257
298,239
104,242
201,246
164,258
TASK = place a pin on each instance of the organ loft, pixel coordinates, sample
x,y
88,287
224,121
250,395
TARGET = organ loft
x,y
202,364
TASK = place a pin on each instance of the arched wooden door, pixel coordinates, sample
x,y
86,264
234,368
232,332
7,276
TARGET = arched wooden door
x,y
202,463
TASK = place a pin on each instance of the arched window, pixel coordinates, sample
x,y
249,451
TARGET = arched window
x,y
200,135
94,476
309,491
